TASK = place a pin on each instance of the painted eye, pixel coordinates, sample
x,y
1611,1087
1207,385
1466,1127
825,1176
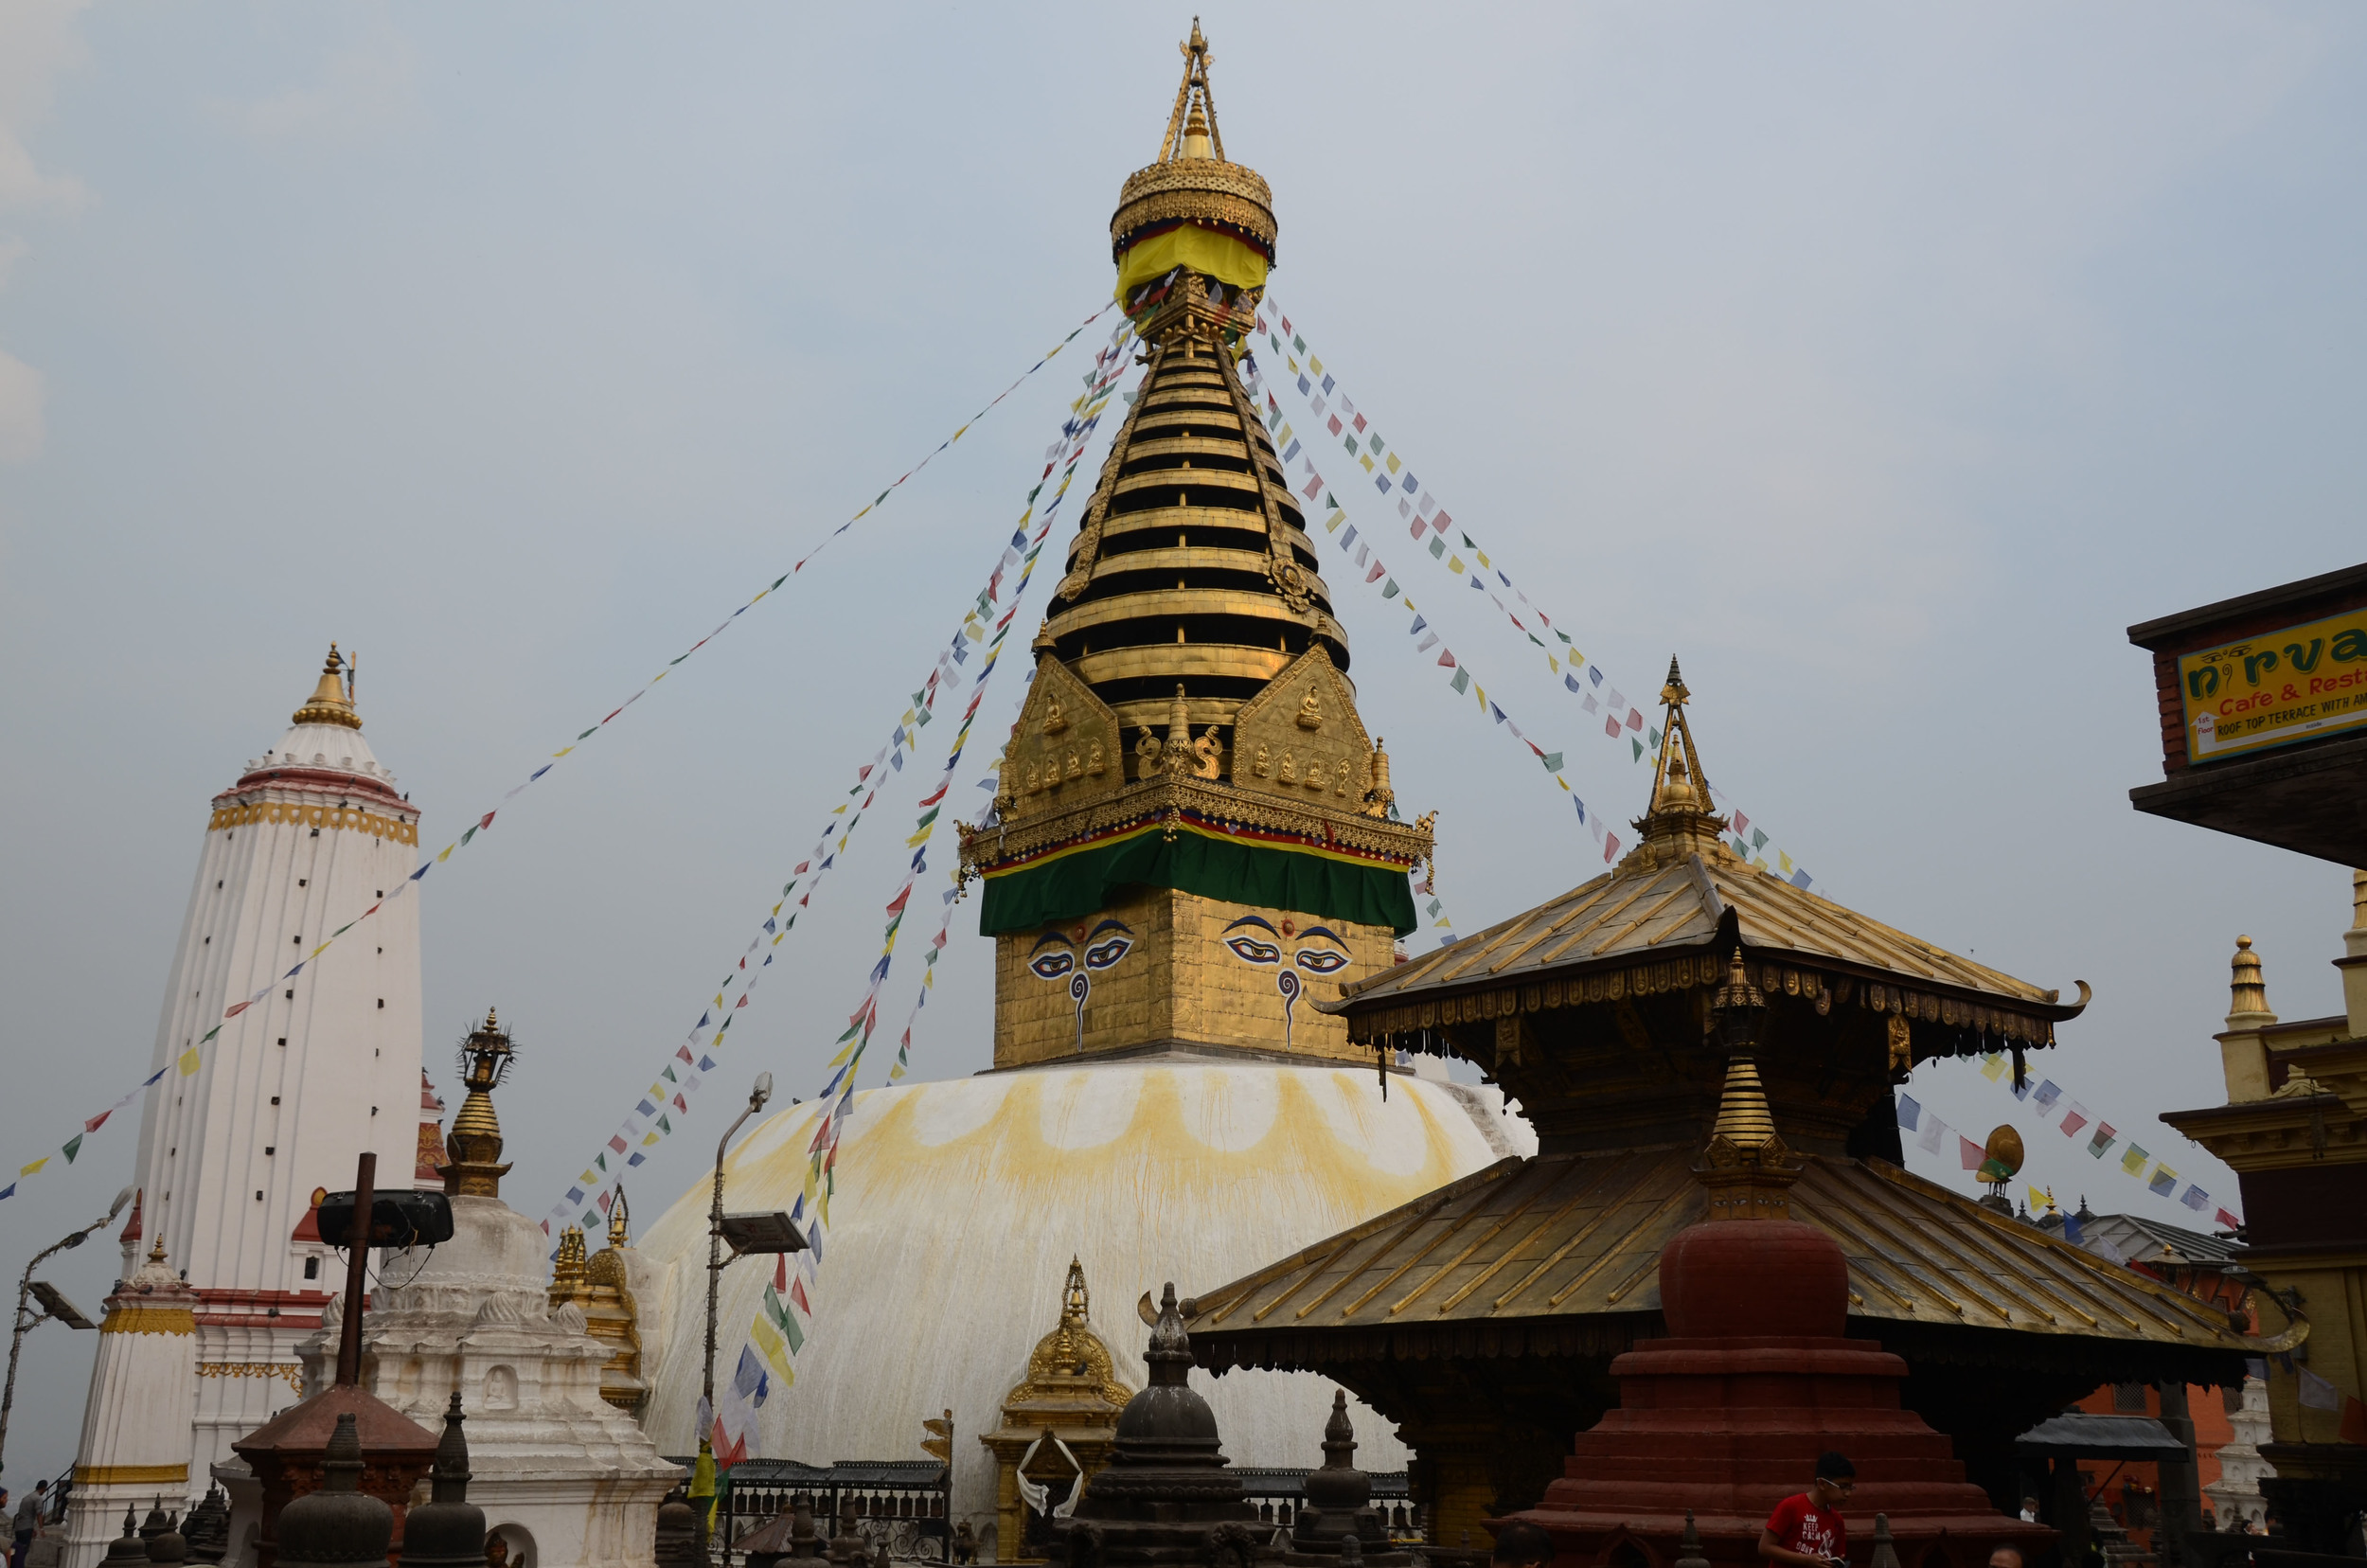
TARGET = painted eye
x,y
1102,954
1250,950
1319,960
1051,966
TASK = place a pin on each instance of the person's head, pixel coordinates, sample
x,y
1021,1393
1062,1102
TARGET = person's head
x,y
2006,1557
1835,1478
40,1486
1519,1544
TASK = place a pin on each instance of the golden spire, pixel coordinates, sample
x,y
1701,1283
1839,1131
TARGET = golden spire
x,y
619,1223
1195,107
2248,993
474,1143
568,1273
1680,819
1075,1301
1747,1167
331,702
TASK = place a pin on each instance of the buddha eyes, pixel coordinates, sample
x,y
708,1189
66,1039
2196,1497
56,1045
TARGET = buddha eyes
x,y
1051,966
1102,954
1250,950
1319,960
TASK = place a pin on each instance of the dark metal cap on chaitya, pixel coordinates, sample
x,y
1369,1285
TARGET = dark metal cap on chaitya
x,y
449,1530
340,1525
1165,1497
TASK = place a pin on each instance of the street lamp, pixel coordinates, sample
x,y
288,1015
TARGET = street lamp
x,y
51,1304
771,1232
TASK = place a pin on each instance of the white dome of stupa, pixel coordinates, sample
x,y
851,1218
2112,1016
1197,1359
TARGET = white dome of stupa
x,y
959,1204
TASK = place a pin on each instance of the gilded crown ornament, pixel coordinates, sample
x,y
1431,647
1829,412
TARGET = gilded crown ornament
x,y
331,702
474,1143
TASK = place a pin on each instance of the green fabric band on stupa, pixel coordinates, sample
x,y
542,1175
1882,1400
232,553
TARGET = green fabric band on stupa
x,y
1081,880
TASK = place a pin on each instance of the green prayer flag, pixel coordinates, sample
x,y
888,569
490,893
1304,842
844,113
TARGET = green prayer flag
x,y
588,732
1639,749
466,836
73,1147
1389,589
662,1124
600,1159
1758,838
1655,734
1462,681
1437,545
1552,761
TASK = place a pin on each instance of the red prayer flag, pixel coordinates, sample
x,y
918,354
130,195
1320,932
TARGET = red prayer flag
x,y
798,1291
681,1104
1635,719
1610,846
683,1052
238,1009
1446,658
1610,727
99,1122
1969,1153
616,1142
899,900
2073,1121
2228,1220
486,821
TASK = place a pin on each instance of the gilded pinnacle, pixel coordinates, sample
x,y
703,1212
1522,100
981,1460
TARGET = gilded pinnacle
x,y
330,702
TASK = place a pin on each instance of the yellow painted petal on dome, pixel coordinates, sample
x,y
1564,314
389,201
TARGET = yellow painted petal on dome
x,y
1231,1110
943,1113
1086,1109
1394,1134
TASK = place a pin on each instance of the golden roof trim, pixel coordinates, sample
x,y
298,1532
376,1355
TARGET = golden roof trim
x,y
1146,803
1918,1253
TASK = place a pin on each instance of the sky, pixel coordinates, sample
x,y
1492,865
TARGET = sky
x,y
1884,365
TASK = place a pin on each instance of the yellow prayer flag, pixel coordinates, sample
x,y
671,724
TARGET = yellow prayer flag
x,y
1331,524
957,435
36,1166
649,1139
1454,565
1367,461
1483,556
564,752
858,517
1993,1067
1315,364
1784,860
188,1061
1760,864
921,837
447,851
1393,464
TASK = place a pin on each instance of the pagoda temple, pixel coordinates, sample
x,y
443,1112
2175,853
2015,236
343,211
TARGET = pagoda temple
x,y
1484,1316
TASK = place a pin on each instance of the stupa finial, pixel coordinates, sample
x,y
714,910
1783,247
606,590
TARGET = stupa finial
x,y
331,702
2248,990
619,1219
1192,128
1680,818
1747,1166
475,1144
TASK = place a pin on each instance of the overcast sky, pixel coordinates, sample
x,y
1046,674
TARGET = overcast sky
x,y
1883,363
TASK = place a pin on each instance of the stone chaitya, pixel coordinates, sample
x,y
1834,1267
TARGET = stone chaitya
x,y
1339,1520
1165,1497
563,1476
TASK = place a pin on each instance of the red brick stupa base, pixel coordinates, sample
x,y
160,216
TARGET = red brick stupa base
x,y
1727,1415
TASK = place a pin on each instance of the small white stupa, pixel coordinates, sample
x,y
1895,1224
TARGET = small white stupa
x,y
2234,1497
565,1478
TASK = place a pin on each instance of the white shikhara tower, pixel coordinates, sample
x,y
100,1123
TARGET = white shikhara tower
x,y
327,1064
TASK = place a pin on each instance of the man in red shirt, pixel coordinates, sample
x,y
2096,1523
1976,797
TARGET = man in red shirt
x,y
1807,1530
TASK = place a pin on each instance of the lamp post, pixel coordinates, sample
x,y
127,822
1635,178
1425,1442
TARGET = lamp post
x,y
52,1304
746,1233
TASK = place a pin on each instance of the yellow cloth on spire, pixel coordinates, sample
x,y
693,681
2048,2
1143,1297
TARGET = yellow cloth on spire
x,y
1205,251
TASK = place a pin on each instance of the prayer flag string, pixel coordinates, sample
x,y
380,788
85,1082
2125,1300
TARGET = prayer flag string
x,y
2045,1098
777,1330
651,1119
189,1060
1338,419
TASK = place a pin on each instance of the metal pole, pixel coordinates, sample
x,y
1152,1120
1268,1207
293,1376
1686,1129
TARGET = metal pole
x,y
757,1097
357,1270
24,1288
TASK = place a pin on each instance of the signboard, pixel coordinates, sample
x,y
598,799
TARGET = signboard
x,y
2275,688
